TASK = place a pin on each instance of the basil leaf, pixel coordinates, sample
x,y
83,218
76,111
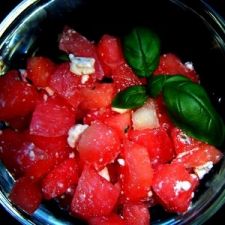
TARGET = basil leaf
x,y
191,110
142,51
156,83
132,97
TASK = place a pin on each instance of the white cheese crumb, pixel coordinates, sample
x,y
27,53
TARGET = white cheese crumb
x,y
74,134
118,110
150,194
202,170
181,186
30,151
84,79
32,155
81,65
194,176
72,155
189,65
104,173
45,97
121,162
183,138
49,91
69,190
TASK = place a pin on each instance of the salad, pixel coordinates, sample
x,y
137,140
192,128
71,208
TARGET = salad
x,y
112,130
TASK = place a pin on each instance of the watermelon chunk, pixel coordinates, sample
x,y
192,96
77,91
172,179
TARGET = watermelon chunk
x,y
26,195
94,195
51,118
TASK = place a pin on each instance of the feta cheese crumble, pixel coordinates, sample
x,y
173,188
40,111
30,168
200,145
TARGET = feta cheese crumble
x,y
189,65
121,162
181,186
49,91
74,134
72,155
202,170
150,194
81,65
104,173
84,79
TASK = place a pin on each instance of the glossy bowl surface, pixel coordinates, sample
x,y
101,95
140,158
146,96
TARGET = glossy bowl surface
x,y
191,29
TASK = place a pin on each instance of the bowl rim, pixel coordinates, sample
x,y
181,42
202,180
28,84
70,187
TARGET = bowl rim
x,y
15,12
5,24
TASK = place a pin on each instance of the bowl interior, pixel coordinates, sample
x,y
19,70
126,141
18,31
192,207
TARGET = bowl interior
x,y
190,31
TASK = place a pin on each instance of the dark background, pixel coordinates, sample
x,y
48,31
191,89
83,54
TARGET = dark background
x,y
5,7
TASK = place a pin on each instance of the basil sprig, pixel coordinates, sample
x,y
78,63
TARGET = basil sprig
x,y
142,51
187,102
132,97
191,109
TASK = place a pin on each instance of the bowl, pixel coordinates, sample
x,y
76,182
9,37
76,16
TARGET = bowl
x,y
191,29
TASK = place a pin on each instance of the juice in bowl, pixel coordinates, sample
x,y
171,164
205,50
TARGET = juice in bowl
x,y
112,119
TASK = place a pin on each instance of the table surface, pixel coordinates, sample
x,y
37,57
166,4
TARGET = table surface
x,y
5,218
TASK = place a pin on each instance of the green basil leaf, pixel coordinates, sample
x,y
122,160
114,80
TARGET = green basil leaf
x,y
142,51
132,97
156,83
191,110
